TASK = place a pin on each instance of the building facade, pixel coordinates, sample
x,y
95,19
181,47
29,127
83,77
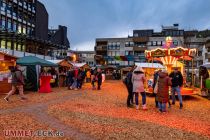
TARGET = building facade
x,y
87,57
126,51
24,29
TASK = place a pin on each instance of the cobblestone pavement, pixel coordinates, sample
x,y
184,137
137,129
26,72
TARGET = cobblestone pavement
x,y
87,114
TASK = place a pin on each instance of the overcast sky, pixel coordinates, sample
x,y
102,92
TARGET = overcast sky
x,y
90,19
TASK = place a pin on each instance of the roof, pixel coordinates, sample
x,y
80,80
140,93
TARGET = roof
x,y
55,61
33,60
62,62
79,65
149,65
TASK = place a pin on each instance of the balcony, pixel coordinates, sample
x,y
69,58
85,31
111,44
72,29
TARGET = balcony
x,y
140,39
100,48
139,48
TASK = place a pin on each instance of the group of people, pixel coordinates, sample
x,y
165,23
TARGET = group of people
x,y
135,83
76,77
74,80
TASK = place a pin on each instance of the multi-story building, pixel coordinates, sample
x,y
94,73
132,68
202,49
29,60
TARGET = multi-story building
x,y
118,51
24,29
126,51
87,57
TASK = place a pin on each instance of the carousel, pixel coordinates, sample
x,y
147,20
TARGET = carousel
x,y
173,57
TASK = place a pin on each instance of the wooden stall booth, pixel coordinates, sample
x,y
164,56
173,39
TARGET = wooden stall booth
x,y
64,66
6,62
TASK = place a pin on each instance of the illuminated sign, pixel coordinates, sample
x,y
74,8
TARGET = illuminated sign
x,y
169,43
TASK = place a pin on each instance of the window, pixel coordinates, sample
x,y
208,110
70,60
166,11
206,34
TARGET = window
x,y
19,29
114,44
15,46
19,47
199,53
175,43
118,43
14,14
149,43
3,44
154,43
9,46
159,43
109,53
117,53
131,43
9,24
29,31
3,22
14,26
24,30
126,44
23,48
3,7
136,35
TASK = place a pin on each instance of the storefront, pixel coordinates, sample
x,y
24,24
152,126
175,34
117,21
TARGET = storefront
x,y
6,63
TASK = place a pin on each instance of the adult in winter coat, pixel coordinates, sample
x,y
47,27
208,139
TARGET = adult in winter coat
x,y
138,80
129,86
177,82
99,78
164,81
17,83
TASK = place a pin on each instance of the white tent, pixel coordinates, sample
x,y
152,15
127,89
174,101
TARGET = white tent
x,y
79,65
150,65
207,65
55,61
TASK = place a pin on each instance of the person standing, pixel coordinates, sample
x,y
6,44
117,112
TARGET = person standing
x,y
88,76
17,83
99,78
163,90
177,82
93,80
138,80
155,79
129,86
70,76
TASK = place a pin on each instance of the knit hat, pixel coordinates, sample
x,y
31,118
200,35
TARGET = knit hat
x,y
138,68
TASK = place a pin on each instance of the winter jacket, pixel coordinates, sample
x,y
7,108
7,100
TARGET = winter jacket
x,y
155,80
99,77
138,80
163,87
177,79
17,78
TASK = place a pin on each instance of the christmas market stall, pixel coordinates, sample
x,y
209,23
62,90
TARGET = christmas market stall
x,y
59,75
36,78
7,62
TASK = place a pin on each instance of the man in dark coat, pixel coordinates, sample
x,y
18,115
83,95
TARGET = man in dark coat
x,y
177,82
129,85
99,78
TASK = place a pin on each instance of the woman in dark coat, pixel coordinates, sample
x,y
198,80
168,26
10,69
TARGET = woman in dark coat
x,y
164,82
